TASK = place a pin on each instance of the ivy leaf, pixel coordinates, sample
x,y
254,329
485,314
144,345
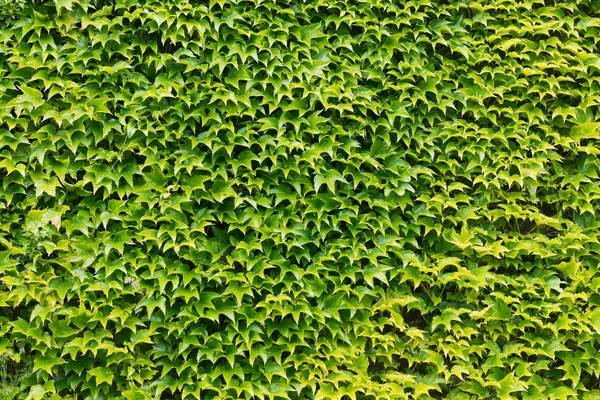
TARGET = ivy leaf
x,y
586,130
30,96
595,319
46,363
330,178
47,186
502,310
135,394
102,375
584,220
221,190
37,392
66,4
462,239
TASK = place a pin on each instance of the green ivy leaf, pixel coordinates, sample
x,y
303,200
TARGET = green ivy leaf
x,y
31,97
102,375
46,363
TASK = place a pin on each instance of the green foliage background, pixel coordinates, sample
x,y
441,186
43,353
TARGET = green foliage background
x,y
299,199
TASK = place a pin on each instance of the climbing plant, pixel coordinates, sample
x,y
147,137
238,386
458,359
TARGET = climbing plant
x,y
314,199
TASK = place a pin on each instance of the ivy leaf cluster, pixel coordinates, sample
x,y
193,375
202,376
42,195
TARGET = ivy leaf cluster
x,y
305,199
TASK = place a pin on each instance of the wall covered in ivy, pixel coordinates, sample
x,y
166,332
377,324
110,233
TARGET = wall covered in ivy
x,y
319,199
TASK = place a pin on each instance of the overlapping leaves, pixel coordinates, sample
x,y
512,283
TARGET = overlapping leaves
x,y
314,199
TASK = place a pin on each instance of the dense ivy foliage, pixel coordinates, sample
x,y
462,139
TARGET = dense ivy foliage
x,y
299,199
